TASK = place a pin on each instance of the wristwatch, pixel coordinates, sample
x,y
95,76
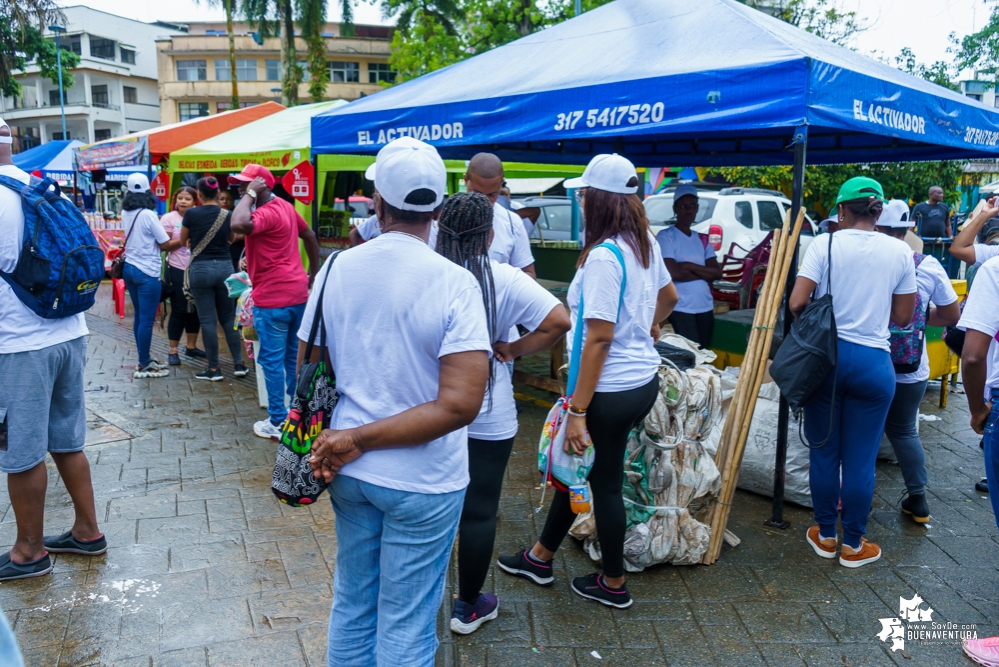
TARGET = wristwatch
x,y
252,194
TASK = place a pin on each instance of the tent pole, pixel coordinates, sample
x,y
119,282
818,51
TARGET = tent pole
x,y
776,519
575,214
315,194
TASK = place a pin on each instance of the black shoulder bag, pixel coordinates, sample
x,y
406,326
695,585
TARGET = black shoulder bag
x,y
809,353
293,481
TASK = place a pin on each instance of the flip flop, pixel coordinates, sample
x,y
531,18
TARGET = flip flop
x,y
67,544
9,570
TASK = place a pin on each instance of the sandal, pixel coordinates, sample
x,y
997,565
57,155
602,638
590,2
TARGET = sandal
x,y
9,570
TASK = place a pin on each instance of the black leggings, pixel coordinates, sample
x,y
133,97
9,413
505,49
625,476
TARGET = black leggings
x,y
610,418
697,327
180,319
487,461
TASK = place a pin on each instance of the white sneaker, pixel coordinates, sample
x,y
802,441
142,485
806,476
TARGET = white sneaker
x,y
150,371
265,429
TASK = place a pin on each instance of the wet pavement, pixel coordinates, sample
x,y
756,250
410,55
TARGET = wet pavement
x,y
206,567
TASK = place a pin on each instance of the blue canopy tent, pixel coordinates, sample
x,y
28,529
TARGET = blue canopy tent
x,y
55,160
707,83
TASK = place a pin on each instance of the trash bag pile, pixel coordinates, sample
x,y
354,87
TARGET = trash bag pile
x,y
669,476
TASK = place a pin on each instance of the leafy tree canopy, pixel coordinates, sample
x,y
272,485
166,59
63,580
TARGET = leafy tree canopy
x,y
22,42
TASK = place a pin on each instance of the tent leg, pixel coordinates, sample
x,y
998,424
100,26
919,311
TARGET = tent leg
x,y
776,519
315,194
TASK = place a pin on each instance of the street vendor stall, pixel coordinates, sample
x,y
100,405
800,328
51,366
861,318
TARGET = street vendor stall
x,y
620,79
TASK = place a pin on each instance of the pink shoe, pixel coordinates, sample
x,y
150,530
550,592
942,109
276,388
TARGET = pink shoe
x,y
983,651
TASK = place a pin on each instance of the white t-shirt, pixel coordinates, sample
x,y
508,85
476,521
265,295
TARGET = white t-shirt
x,y
934,286
981,313
511,244
695,295
984,253
868,268
143,247
20,329
371,228
393,308
519,300
632,360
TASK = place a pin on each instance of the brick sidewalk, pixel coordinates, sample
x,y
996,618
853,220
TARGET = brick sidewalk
x,y
207,568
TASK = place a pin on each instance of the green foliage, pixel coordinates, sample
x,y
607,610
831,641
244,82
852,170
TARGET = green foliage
x,y
425,47
820,17
311,19
938,73
980,50
21,41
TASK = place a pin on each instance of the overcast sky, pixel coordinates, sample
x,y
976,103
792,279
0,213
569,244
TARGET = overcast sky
x,y
922,25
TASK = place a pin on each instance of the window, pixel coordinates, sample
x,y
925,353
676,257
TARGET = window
x,y
102,48
246,70
131,95
303,67
101,135
273,68
659,210
71,44
378,72
558,218
744,214
770,215
99,95
222,70
225,106
192,70
127,56
974,96
345,72
54,98
59,135
189,110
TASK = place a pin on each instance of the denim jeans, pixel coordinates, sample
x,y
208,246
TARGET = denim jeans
x,y
10,656
211,297
392,554
277,329
991,441
900,427
144,291
865,384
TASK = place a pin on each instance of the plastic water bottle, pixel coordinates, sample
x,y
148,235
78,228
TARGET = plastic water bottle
x,y
579,498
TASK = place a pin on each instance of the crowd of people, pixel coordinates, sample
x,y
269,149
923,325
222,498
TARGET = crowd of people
x,y
416,451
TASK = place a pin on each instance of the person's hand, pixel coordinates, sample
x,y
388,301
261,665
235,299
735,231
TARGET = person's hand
x,y
575,435
331,451
242,263
978,419
991,208
656,332
501,350
258,185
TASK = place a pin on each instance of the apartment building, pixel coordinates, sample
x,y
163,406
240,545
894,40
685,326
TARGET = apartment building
x,y
195,75
115,89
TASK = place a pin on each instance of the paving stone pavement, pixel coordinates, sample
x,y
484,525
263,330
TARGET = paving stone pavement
x,y
206,568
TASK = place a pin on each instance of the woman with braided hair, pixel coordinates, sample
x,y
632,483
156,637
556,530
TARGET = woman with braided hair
x,y
511,298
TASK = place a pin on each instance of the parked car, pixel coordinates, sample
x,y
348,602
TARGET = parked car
x,y
361,208
555,221
743,216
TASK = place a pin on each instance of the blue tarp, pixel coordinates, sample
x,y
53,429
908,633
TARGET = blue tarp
x,y
55,160
711,82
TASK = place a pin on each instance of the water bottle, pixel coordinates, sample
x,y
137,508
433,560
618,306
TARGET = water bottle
x,y
579,498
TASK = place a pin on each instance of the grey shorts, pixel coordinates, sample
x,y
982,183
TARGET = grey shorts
x,y
41,404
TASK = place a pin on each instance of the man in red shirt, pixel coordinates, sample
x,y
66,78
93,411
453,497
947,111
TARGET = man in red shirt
x,y
272,228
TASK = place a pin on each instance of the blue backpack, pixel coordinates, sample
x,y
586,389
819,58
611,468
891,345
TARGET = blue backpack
x,y
60,265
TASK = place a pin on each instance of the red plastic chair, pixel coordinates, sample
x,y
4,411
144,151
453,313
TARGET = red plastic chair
x,y
742,277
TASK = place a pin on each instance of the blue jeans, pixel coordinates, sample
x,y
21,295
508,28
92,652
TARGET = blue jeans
x,y
144,291
900,427
10,655
865,384
392,554
991,441
277,329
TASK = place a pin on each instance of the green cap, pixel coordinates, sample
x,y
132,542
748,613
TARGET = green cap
x,y
859,187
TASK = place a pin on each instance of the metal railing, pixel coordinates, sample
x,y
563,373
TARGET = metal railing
x,y
8,104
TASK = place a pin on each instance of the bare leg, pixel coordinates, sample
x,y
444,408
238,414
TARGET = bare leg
x,y
75,471
192,341
27,497
541,553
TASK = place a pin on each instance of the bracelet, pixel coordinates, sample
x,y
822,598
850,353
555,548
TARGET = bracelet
x,y
573,410
577,414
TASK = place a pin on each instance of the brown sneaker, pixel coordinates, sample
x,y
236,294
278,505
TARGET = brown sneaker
x,y
868,553
823,547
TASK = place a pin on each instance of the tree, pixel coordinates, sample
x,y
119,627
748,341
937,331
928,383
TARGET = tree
x,y
819,17
21,41
980,50
426,37
939,72
229,7
312,19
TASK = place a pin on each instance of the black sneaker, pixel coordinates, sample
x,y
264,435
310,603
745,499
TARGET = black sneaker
x,y
241,371
917,507
523,565
195,353
67,544
982,486
210,374
594,587
466,618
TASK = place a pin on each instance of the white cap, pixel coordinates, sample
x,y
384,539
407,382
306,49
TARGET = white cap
x,y
895,214
369,173
138,183
8,139
406,165
609,172
684,190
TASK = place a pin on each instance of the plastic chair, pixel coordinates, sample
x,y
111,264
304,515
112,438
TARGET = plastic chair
x,y
742,277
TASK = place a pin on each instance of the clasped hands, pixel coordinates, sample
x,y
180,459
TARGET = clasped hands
x,y
332,450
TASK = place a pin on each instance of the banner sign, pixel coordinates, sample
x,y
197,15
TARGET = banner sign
x,y
273,160
299,182
109,154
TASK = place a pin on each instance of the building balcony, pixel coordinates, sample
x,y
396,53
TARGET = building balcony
x,y
255,90
183,46
20,110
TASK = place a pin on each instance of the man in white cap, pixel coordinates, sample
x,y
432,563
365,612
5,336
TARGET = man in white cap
x,y
41,406
691,262
407,338
371,228
932,286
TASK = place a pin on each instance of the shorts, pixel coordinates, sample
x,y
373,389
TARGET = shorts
x,y
41,403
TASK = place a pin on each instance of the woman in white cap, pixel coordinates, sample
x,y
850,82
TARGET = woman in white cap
x,y
932,285
145,238
618,378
